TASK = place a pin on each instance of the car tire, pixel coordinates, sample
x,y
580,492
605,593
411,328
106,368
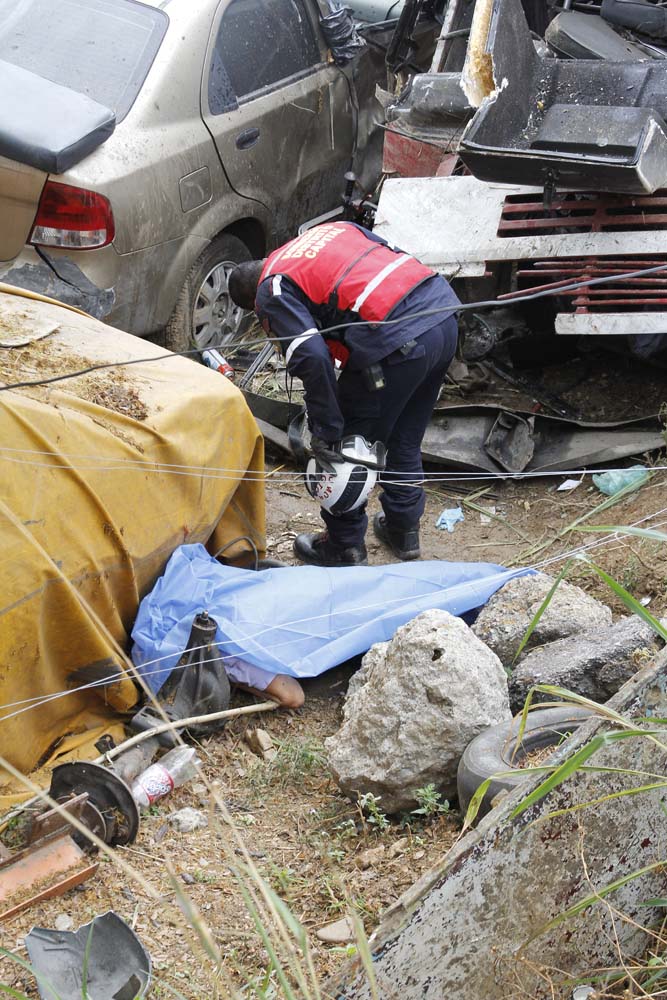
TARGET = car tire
x,y
491,751
204,315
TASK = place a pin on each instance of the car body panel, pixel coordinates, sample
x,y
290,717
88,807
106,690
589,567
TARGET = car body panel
x,y
173,190
305,126
20,188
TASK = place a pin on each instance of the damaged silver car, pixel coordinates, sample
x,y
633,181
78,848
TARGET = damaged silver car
x,y
145,148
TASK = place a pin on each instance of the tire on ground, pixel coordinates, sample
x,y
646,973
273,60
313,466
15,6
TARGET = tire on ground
x,y
491,752
179,333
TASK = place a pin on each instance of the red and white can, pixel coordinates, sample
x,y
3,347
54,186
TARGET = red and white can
x,y
217,362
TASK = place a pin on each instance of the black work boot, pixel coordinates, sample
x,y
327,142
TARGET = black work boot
x,y
404,544
317,549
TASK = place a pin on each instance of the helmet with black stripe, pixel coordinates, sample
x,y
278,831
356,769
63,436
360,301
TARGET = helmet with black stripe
x,y
344,489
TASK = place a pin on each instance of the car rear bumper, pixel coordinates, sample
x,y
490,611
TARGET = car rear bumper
x,y
135,292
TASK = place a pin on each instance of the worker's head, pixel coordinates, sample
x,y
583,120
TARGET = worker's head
x,y
243,282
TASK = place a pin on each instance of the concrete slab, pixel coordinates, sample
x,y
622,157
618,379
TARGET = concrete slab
x,y
474,927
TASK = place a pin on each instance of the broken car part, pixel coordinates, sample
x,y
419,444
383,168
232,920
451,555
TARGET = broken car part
x,y
48,126
558,123
574,35
581,237
456,437
197,685
111,811
104,960
511,442
48,863
638,15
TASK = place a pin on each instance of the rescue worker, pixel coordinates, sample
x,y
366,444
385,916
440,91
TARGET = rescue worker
x,y
390,374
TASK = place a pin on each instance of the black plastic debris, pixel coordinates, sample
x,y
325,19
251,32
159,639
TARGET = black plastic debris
x,y
340,34
198,685
103,960
587,124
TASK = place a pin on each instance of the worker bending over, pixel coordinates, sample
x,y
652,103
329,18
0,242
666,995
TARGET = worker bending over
x,y
390,373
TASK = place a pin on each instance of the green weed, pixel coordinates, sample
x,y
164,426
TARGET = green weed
x,y
430,802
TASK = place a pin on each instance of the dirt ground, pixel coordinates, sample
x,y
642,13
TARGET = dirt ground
x,y
306,839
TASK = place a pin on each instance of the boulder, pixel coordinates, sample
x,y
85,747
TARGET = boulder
x,y
412,709
503,622
594,663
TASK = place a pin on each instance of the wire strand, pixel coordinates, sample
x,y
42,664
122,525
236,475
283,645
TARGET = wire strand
x,y
286,477
438,310
39,701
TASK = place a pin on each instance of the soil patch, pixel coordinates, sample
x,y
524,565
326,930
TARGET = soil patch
x,y
304,837
113,389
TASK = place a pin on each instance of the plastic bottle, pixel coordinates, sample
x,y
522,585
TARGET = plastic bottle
x,y
217,362
172,770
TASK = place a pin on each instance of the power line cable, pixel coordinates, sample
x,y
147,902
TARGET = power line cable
x,y
439,310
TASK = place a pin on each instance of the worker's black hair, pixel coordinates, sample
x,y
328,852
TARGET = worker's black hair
x,y
243,283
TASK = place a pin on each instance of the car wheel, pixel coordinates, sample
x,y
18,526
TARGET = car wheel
x,y
492,751
204,315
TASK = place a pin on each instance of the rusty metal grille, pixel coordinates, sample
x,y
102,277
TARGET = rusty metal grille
x,y
647,293
581,212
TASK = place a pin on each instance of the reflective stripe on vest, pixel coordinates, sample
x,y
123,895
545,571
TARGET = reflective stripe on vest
x,y
336,264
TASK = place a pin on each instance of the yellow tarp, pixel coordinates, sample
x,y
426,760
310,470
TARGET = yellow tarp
x,y
101,478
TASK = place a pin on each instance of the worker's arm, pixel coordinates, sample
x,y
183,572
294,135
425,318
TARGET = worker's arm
x,y
281,307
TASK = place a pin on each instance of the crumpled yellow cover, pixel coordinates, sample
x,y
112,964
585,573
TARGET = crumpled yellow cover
x,y
101,478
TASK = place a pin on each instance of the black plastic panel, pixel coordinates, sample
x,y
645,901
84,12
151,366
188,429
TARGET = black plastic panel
x,y
48,126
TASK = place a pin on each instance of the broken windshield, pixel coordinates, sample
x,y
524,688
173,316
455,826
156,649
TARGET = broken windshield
x,y
101,48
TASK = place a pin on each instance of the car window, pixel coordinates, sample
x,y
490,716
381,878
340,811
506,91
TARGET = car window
x,y
259,43
101,48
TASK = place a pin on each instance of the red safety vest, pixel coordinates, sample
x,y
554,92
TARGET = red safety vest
x,y
335,264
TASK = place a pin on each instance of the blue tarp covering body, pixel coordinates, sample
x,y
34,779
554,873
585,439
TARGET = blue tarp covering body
x,y
300,620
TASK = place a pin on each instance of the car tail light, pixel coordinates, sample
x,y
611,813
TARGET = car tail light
x,y
73,218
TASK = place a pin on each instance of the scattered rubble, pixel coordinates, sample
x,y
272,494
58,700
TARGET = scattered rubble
x,y
371,856
63,922
340,932
594,663
413,707
187,820
503,622
260,743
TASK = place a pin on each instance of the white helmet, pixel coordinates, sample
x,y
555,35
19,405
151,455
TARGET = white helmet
x,y
342,490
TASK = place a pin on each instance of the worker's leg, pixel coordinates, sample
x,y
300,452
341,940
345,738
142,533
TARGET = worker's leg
x,y
402,501
397,415
361,411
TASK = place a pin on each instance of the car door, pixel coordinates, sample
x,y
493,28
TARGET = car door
x,y
268,100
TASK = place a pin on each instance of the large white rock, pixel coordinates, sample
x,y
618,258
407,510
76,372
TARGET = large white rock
x,y
412,709
504,620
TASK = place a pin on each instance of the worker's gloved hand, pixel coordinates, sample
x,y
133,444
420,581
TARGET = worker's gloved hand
x,y
327,453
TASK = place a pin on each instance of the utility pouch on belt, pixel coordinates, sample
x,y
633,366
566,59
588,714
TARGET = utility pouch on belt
x,y
374,379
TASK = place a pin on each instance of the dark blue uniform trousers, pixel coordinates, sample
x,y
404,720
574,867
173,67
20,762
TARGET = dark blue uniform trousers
x,y
398,416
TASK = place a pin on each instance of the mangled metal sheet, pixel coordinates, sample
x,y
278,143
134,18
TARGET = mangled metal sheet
x,y
490,438
485,438
477,926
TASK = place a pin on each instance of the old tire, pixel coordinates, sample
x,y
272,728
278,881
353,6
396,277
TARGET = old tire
x,y
491,752
204,315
